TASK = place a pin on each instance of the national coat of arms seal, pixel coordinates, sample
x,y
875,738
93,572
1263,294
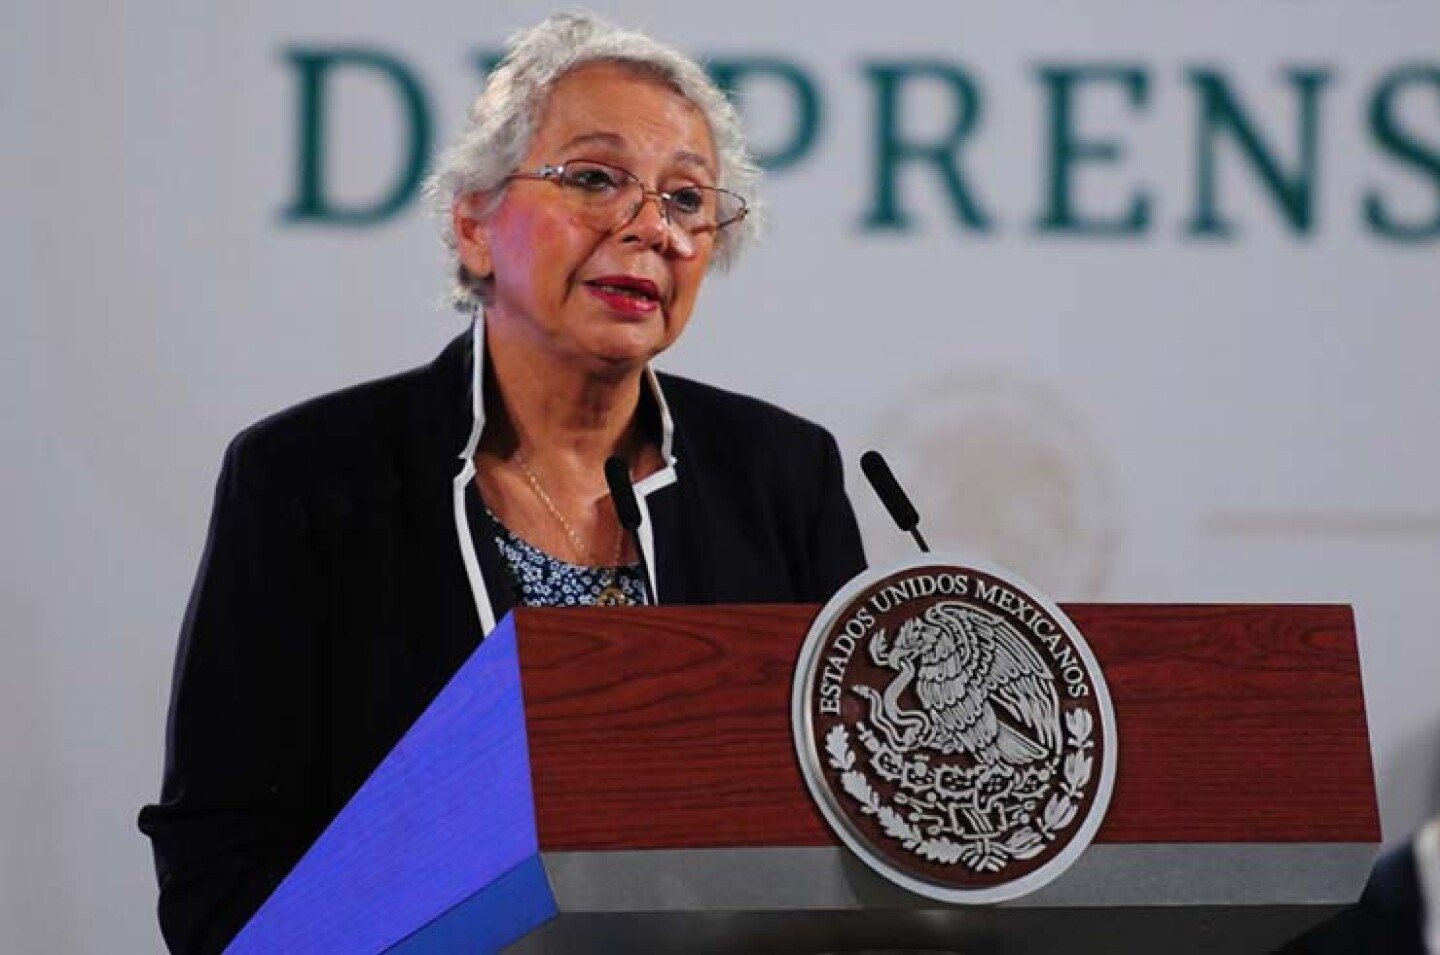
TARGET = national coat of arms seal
x,y
954,729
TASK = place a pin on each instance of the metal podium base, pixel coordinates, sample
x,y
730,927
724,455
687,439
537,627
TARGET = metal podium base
x,y
1117,899
1206,930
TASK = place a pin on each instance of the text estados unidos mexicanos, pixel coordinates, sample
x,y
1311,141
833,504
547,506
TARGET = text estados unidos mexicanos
x,y
1014,606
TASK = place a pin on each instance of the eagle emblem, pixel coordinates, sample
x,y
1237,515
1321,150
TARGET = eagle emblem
x,y
984,695
955,730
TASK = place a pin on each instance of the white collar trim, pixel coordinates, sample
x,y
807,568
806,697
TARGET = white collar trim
x,y
664,477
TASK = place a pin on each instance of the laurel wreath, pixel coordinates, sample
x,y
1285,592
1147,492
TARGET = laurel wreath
x,y
980,855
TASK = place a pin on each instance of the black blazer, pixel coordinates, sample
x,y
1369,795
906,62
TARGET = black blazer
x,y
331,604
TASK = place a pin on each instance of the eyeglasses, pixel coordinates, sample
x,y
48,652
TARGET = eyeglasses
x,y
611,197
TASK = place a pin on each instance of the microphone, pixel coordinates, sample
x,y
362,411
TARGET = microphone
x,y
902,512
627,510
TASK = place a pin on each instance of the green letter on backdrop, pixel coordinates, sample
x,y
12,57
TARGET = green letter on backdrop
x,y
1408,148
731,75
893,150
1219,111
1067,150
314,69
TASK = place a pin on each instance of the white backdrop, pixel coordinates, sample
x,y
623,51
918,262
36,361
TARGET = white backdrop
x,y
1155,416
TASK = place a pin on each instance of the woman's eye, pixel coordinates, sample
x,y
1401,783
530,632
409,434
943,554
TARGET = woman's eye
x,y
590,179
688,200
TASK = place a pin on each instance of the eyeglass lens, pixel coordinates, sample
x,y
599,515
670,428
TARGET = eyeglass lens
x,y
614,197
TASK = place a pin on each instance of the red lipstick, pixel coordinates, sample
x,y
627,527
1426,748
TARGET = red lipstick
x,y
625,293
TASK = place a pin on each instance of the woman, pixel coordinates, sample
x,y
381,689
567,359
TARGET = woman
x,y
363,543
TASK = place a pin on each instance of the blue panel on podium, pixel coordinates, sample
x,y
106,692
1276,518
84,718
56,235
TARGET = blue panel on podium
x,y
491,918
445,817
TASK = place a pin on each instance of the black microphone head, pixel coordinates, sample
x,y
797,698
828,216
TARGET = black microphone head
x,y
902,512
617,476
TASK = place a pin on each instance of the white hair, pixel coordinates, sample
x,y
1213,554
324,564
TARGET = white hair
x,y
504,116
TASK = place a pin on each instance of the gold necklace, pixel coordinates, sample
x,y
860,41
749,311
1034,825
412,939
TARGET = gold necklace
x,y
611,594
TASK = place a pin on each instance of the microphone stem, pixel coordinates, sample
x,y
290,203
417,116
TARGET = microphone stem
x,y
627,512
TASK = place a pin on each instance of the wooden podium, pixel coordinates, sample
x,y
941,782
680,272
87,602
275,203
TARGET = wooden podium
x,y
670,815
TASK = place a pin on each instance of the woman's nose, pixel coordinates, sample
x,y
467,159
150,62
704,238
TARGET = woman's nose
x,y
650,223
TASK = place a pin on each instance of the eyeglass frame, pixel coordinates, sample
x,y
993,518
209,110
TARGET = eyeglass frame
x,y
553,172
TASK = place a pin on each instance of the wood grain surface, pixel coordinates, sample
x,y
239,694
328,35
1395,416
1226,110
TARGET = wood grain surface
x,y
669,727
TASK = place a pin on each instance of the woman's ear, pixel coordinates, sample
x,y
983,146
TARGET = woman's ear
x,y
472,241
